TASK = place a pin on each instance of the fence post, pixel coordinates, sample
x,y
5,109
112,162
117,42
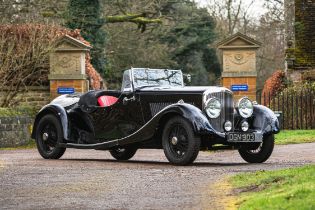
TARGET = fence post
x,y
288,114
312,108
278,102
301,108
306,109
292,110
283,126
273,103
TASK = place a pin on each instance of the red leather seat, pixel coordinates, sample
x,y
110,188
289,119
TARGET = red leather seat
x,y
105,101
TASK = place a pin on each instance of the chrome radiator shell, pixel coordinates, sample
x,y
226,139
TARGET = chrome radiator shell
x,y
225,96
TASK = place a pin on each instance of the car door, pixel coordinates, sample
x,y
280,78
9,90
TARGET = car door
x,y
119,120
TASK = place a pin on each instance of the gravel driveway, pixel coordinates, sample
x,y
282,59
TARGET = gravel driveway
x,y
89,179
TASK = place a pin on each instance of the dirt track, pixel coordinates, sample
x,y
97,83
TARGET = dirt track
x,y
88,179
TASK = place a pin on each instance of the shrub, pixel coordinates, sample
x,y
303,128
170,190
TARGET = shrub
x,y
24,57
274,84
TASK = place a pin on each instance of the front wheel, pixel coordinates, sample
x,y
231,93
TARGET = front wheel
x,y
181,145
259,154
48,135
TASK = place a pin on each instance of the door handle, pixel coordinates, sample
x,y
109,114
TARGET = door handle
x,y
126,100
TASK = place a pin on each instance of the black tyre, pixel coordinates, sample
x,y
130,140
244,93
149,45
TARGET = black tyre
x,y
259,154
181,145
123,153
48,135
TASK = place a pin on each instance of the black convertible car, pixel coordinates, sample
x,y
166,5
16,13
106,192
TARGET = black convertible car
x,y
155,110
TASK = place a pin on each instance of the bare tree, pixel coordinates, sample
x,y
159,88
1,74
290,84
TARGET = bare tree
x,y
230,15
24,59
22,11
269,28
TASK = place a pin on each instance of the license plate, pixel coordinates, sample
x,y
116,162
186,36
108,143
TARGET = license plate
x,y
241,137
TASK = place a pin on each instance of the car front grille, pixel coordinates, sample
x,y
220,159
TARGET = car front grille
x,y
156,107
226,99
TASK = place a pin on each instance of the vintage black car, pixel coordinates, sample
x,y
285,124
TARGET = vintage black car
x,y
155,110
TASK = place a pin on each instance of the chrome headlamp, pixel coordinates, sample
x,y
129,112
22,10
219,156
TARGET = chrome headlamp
x,y
244,126
228,126
213,107
245,107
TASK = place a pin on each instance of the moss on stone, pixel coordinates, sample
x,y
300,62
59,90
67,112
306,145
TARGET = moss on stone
x,y
304,29
22,111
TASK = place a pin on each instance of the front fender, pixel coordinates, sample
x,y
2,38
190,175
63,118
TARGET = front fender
x,y
56,110
265,120
194,115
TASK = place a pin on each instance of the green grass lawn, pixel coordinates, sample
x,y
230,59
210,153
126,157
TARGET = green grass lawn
x,y
295,136
284,189
21,111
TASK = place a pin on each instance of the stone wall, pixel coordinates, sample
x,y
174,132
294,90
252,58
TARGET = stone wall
x,y
15,131
304,34
35,97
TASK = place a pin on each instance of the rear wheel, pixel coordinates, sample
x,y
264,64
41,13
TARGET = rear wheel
x,y
124,153
181,146
48,135
259,154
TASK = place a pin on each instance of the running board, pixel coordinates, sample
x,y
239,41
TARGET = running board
x,y
104,145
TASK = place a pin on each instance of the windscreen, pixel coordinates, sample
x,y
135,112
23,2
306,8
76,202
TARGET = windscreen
x,y
157,77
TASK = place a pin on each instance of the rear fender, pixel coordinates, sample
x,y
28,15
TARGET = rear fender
x,y
56,110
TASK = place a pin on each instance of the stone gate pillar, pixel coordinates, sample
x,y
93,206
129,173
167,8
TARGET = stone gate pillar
x,y
67,67
239,65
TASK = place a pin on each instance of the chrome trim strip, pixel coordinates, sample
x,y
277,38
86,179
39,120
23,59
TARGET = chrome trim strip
x,y
115,142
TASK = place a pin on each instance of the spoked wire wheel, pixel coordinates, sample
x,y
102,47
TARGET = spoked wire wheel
x,y
178,140
261,153
181,145
257,150
48,135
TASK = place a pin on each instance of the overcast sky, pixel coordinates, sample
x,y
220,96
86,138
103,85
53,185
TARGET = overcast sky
x,y
257,8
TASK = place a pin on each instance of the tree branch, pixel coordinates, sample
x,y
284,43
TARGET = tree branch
x,y
140,19
236,17
134,18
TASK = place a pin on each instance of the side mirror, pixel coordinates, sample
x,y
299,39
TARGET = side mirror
x,y
187,78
